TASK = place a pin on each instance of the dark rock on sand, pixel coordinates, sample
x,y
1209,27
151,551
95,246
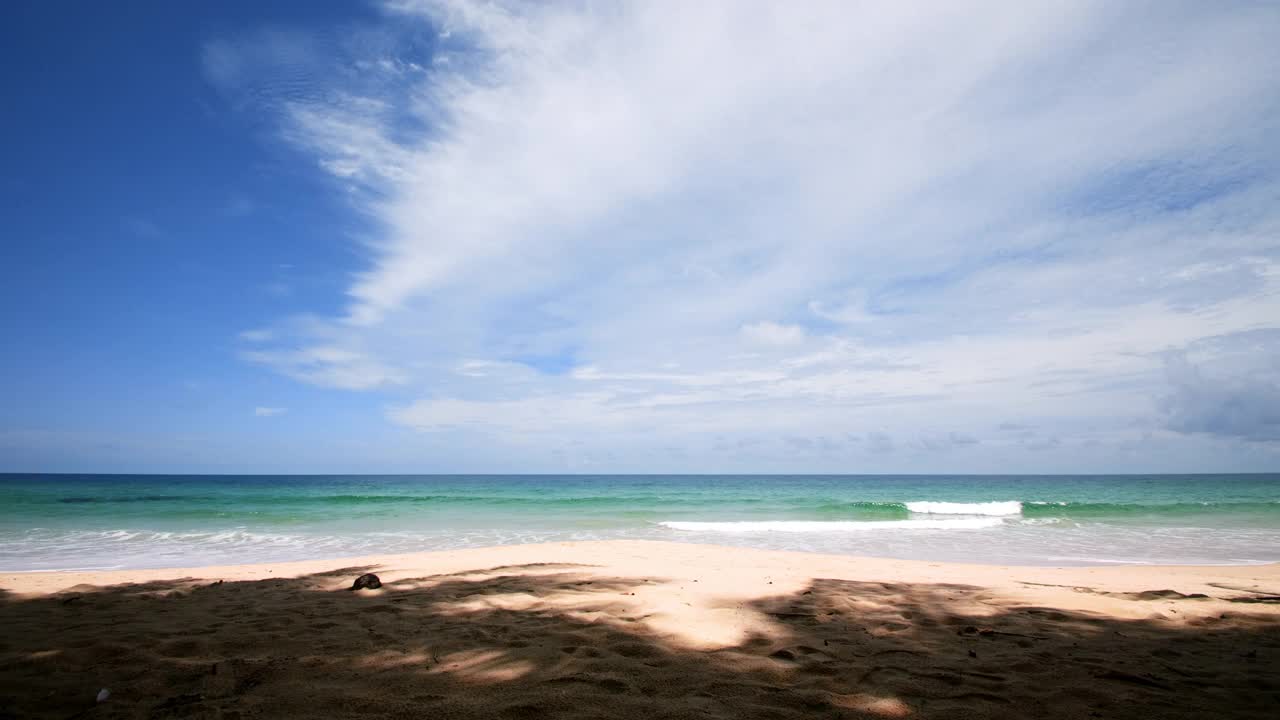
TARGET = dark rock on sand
x,y
368,581
1168,595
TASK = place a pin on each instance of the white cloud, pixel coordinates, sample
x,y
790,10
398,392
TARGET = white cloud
x,y
963,213
772,333
330,366
269,411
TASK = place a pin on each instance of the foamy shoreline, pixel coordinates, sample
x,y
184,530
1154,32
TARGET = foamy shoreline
x,y
239,569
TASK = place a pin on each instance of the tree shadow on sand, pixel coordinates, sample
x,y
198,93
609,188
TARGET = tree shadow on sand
x,y
550,641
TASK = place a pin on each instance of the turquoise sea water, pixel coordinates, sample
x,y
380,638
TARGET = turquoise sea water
x,y
111,521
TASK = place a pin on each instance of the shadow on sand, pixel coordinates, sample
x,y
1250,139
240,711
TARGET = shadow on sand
x,y
550,641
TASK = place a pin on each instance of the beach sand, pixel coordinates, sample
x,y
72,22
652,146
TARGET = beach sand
x,y
645,630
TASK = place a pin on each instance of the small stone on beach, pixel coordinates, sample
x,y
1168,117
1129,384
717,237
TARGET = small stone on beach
x,y
368,581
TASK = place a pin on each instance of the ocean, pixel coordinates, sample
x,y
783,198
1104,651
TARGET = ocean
x,y
65,522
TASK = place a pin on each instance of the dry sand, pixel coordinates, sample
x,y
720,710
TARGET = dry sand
x,y
642,630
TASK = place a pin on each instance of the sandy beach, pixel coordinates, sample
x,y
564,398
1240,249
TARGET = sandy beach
x,y
638,629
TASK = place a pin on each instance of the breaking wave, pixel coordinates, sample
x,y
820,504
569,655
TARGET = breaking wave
x,y
999,509
826,526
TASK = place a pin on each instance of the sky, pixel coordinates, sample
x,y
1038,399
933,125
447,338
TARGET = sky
x,y
436,236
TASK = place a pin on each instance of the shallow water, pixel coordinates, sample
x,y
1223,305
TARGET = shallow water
x,y
122,521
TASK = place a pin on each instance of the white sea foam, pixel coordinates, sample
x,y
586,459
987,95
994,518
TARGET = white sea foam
x,y
87,568
1000,509
826,526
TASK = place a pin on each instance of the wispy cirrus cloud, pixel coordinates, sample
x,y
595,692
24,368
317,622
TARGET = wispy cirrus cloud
x,y
328,365
657,223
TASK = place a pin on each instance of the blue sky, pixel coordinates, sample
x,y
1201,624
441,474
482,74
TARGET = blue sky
x,y
640,237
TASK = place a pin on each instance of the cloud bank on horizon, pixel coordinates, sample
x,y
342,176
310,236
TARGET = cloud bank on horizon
x,y
808,236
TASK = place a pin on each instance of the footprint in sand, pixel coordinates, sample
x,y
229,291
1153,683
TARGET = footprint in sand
x,y
634,650
608,684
